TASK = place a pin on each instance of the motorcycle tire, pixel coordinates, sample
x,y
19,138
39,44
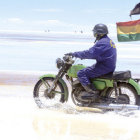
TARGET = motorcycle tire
x,y
40,93
126,91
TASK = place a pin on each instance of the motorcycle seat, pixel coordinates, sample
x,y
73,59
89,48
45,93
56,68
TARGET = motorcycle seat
x,y
117,75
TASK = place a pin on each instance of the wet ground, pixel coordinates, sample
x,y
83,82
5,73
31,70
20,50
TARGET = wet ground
x,y
21,118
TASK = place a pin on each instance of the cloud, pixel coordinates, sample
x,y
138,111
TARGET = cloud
x,y
15,20
89,11
56,24
52,10
105,11
49,22
52,22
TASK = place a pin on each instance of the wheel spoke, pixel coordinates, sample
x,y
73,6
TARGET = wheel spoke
x,y
57,92
120,91
45,83
43,98
126,91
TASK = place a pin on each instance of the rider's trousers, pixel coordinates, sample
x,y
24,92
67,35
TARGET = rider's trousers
x,y
94,71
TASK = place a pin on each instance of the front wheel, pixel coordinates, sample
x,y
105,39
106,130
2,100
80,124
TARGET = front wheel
x,y
127,94
41,96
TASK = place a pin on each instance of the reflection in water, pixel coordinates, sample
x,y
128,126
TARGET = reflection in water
x,y
22,119
58,124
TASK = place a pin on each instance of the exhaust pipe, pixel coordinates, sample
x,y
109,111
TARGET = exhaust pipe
x,y
116,106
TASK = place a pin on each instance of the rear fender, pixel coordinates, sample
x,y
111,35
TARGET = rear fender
x,y
135,85
66,93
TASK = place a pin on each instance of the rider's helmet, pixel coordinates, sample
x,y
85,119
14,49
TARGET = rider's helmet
x,y
100,30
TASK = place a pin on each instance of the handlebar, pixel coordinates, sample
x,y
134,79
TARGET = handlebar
x,y
68,58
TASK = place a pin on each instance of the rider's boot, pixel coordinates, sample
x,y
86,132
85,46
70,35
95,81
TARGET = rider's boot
x,y
91,92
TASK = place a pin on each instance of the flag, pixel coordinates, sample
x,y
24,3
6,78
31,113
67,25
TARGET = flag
x,y
128,31
136,10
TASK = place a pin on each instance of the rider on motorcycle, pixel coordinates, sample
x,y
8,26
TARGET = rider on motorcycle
x,y
104,51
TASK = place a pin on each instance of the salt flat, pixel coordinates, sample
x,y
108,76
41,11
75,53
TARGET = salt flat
x,y
21,118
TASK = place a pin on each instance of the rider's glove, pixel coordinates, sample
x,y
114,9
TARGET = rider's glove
x,y
70,54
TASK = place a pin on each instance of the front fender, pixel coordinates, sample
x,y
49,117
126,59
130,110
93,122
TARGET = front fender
x,y
66,93
135,85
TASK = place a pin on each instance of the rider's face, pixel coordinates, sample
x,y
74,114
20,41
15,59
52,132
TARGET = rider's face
x,y
94,34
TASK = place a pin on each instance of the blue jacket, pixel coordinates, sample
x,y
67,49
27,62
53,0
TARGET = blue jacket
x,y
104,51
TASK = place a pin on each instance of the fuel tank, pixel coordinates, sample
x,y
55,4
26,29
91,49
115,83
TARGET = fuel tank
x,y
72,72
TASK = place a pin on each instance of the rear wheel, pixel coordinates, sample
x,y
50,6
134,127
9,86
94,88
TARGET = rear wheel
x,y
127,94
41,96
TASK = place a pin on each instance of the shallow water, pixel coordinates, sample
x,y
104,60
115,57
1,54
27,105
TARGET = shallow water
x,y
22,119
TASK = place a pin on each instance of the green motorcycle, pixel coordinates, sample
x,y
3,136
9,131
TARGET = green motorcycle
x,y
115,89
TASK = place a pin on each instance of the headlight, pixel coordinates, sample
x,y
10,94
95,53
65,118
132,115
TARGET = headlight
x,y
59,63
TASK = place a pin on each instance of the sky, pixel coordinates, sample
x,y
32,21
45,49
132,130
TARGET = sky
x,y
63,15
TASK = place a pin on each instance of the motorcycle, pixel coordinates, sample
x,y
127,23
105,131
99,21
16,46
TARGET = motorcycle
x,y
117,90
